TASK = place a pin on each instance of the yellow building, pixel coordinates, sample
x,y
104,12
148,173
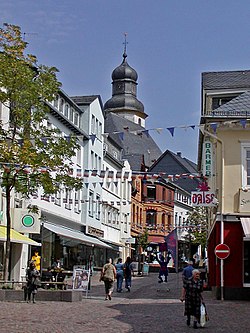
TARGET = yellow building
x,y
224,158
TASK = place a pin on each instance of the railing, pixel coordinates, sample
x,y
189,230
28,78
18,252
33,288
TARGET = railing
x,y
227,114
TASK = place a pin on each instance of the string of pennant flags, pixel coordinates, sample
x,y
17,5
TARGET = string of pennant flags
x,y
213,125
86,173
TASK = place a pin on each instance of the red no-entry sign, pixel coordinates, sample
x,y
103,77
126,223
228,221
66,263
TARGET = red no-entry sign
x,y
222,251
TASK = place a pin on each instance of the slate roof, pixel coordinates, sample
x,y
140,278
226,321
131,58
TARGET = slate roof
x,y
240,104
173,164
135,146
86,100
226,80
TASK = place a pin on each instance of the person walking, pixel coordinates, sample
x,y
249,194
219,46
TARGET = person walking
x,y
33,281
128,269
187,271
163,268
108,276
119,274
192,294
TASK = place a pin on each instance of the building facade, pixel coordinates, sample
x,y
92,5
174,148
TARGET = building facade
x,y
224,145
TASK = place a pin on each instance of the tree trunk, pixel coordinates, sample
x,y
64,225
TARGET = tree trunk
x,y
7,244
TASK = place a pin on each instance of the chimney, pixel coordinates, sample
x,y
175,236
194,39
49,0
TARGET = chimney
x,y
179,153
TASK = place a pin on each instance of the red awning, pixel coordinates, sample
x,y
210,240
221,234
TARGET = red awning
x,y
156,239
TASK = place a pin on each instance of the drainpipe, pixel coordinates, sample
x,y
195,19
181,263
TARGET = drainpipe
x,y
221,208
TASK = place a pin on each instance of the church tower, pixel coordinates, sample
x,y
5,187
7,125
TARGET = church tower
x,y
124,91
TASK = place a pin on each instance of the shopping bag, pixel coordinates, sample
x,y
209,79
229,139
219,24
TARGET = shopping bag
x,y
203,316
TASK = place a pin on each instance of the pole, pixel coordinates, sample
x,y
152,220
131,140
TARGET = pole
x,y
222,261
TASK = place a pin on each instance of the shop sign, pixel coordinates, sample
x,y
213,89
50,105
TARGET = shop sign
x,y
95,232
207,158
25,221
203,198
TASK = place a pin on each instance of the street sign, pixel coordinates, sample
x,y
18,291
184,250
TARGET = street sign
x,y
222,251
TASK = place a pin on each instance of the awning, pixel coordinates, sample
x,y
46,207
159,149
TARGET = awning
x,y
76,235
245,222
16,237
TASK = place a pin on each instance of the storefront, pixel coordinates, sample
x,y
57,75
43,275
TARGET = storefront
x,y
70,248
19,249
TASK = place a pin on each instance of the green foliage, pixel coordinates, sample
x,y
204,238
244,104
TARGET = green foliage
x,y
197,220
143,239
25,140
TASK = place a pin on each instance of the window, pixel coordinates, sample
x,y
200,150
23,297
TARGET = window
x,y
151,192
93,125
218,101
58,198
151,218
61,104
98,207
68,203
245,156
71,115
76,119
66,110
77,202
91,204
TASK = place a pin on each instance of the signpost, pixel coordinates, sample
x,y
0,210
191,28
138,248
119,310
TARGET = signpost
x,y
222,251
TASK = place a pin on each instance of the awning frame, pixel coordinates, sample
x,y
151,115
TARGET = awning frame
x,y
75,235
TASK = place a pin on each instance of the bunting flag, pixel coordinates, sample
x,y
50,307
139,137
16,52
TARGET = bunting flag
x,y
171,130
92,138
214,126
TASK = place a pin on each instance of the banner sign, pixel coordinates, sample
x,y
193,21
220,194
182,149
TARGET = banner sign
x,y
80,278
203,198
207,158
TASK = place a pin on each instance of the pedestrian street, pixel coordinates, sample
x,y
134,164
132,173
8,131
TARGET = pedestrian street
x,y
149,307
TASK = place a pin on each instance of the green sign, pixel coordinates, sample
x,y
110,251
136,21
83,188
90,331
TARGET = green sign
x,y
28,220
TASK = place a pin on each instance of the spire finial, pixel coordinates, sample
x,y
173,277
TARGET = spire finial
x,y
125,45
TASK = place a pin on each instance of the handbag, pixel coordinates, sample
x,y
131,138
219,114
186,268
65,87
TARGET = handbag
x,y
37,282
204,316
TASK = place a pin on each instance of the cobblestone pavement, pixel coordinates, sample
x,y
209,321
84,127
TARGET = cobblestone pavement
x,y
149,307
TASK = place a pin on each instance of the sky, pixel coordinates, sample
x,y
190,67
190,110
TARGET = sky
x,y
170,43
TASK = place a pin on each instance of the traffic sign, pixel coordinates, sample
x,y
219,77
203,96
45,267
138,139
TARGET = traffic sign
x,y
222,251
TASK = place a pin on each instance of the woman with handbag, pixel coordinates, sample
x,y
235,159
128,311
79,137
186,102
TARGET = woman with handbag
x,y
108,276
191,293
33,281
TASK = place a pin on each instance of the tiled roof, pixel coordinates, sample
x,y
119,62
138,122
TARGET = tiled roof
x,y
226,80
134,146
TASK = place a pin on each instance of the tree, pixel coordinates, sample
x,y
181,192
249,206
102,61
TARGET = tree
x,y
197,223
143,243
32,156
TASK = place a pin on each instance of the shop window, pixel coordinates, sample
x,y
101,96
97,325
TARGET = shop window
x,y
246,263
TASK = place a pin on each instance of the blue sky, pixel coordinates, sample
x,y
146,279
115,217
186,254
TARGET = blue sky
x,y
170,43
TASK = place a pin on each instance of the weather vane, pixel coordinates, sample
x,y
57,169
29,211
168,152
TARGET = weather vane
x,y
125,42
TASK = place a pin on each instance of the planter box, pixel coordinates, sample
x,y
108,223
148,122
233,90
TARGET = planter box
x,y
44,295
